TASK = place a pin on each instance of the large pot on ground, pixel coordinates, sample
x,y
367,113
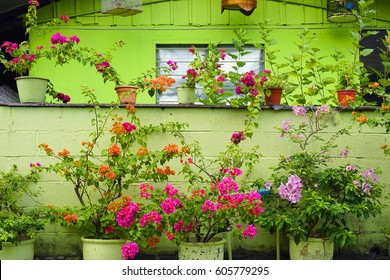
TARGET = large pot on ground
x,y
23,250
312,249
102,249
387,236
212,250
31,89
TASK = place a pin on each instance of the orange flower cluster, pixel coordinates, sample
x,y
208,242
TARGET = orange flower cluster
x,y
185,150
348,99
89,144
143,151
114,206
384,146
70,218
161,82
153,241
110,175
373,85
166,171
362,119
114,150
63,153
103,169
171,149
388,41
117,128
130,109
385,108
45,147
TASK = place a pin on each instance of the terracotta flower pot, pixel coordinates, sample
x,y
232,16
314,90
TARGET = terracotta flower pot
x,y
126,94
346,96
274,98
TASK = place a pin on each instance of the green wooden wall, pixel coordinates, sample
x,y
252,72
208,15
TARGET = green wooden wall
x,y
180,22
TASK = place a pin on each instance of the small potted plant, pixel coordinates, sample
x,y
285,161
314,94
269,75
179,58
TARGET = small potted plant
x,y
100,178
18,226
205,71
154,81
20,58
273,87
313,199
347,85
277,80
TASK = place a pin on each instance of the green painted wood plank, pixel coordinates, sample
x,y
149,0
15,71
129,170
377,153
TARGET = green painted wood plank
x,y
200,10
161,13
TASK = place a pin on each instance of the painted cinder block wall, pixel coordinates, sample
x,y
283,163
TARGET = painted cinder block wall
x,y
23,128
182,22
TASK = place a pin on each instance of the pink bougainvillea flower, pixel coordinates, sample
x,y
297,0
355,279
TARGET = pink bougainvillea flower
x,y
129,250
292,190
64,18
250,231
128,126
57,38
299,110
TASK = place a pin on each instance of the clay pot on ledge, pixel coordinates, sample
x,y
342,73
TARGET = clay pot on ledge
x,y
127,94
275,95
346,96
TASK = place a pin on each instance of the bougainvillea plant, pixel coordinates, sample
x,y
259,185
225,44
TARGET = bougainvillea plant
x,y
218,199
106,167
309,195
20,57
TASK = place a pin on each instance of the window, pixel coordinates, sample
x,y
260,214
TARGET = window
x,y
180,54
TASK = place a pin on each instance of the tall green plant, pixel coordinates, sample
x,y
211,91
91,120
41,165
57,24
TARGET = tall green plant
x,y
310,75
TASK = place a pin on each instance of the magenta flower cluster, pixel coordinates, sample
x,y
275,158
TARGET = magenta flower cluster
x,y
152,217
129,250
57,38
250,231
292,190
128,126
63,97
126,216
227,185
170,205
101,67
237,137
172,64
